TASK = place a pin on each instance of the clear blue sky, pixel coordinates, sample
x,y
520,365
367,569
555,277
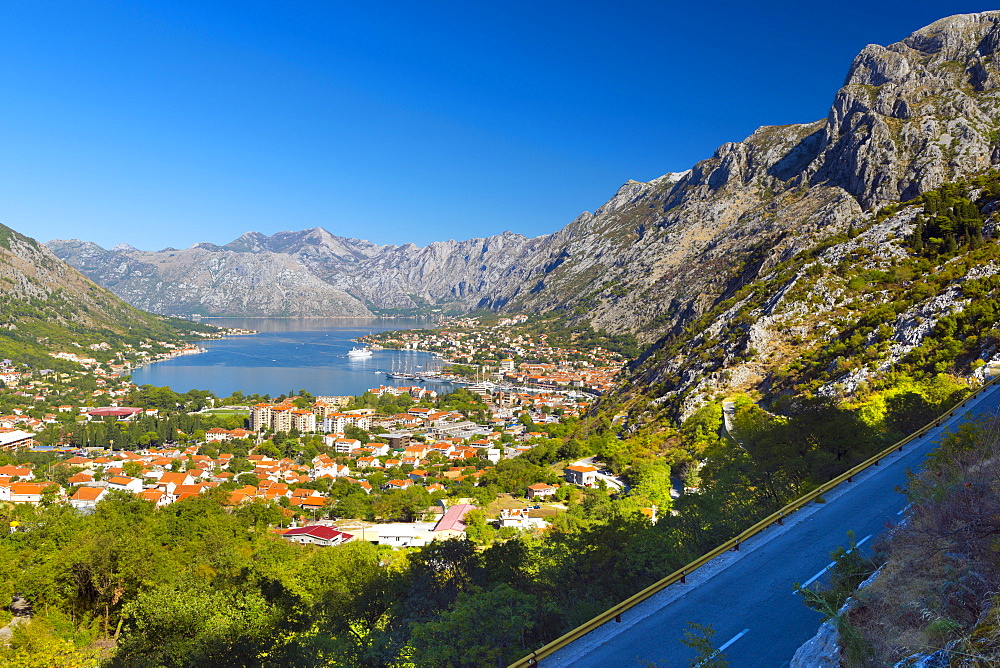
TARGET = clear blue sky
x,y
168,123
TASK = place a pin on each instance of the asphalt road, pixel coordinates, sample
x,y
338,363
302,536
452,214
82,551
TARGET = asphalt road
x,y
747,596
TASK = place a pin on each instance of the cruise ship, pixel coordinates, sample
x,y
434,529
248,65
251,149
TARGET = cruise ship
x,y
359,352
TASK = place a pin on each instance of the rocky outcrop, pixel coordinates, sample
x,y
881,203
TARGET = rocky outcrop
x,y
820,651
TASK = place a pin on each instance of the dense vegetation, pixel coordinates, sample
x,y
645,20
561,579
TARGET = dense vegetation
x,y
196,584
939,573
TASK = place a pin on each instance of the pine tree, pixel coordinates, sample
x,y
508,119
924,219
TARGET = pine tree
x,y
917,238
950,245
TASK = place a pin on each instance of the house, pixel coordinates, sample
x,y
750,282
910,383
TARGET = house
x,y
304,493
443,447
169,481
81,479
377,449
341,446
21,472
28,492
187,491
412,534
316,502
364,484
237,498
452,523
585,476
217,434
515,517
397,484
368,462
317,535
540,491
157,496
125,483
416,450
87,497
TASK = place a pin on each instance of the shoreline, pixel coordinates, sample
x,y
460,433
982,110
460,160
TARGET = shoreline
x,y
305,317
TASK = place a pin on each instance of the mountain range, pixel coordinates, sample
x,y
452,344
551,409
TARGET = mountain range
x,y
662,256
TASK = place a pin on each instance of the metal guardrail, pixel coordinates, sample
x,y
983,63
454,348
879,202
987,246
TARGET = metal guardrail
x,y
778,517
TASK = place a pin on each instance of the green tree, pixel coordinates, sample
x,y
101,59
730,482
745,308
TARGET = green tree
x,y
483,628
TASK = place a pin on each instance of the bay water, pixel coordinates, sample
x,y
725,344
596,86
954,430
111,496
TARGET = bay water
x,y
289,354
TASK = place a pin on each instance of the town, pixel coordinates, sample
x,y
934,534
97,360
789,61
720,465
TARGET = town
x,y
396,466
499,349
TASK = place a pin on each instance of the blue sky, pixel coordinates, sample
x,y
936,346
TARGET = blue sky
x,y
168,123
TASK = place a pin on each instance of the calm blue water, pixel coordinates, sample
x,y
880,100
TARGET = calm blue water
x,y
290,354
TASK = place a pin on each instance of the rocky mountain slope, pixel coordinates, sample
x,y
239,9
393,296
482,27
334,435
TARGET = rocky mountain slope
x,y
47,305
208,280
659,256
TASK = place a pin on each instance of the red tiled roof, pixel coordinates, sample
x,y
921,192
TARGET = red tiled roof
x,y
317,531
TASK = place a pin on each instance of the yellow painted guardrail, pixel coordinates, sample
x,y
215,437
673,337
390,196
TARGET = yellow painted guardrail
x,y
681,574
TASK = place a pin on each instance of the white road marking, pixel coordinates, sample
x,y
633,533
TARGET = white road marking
x,y
832,563
724,646
734,639
818,575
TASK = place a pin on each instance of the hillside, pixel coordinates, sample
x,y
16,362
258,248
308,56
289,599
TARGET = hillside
x,y
912,291
46,305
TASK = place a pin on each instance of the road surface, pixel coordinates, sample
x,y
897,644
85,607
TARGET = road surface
x,y
747,596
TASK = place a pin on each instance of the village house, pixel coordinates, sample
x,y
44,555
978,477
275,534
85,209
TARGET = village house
x,y
540,490
452,523
125,483
317,535
21,472
81,478
87,497
518,518
585,476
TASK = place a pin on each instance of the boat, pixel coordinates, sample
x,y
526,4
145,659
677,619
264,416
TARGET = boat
x,y
359,352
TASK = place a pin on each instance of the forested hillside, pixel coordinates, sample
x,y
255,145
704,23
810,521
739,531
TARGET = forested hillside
x,y
46,305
